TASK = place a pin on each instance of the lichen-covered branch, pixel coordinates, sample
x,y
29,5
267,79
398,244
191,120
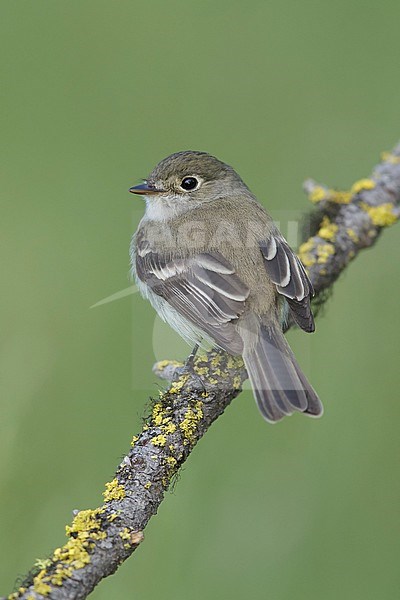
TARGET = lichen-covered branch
x,y
351,220
99,540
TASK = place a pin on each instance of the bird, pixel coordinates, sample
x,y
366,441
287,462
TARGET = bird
x,y
211,261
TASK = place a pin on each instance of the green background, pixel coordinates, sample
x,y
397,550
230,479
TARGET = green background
x,y
93,94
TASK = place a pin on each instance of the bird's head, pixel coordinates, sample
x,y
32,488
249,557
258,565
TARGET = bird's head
x,y
185,180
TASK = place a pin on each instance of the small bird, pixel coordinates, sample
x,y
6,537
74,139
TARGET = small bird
x,y
215,267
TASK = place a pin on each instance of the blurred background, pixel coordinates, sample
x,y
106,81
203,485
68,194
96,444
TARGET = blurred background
x,y
93,94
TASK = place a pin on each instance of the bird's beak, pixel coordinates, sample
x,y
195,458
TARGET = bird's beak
x,y
143,189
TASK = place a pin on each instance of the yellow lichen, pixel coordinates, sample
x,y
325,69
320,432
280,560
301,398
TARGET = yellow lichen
x,y
60,574
362,184
178,385
16,595
305,253
216,359
202,370
157,414
340,197
324,251
125,534
318,194
237,382
159,440
84,529
134,440
157,420
235,362
112,517
172,464
42,563
162,364
393,159
85,521
190,421
382,215
352,235
114,491
74,552
327,230
39,584
169,428
148,485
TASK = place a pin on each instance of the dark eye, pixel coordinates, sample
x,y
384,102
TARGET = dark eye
x,y
189,183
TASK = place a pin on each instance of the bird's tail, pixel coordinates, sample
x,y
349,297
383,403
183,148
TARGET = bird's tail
x,y
279,385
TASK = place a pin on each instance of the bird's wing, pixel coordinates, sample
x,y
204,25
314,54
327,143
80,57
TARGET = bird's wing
x,y
204,288
288,274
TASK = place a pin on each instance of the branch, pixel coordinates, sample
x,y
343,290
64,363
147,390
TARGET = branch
x,y
99,540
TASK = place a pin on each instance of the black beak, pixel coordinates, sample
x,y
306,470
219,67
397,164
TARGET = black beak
x,y
144,189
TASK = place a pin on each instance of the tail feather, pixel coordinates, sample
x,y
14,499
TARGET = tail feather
x,y
280,387
314,407
272,405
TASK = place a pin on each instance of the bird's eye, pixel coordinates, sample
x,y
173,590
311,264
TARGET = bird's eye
x,y
189,183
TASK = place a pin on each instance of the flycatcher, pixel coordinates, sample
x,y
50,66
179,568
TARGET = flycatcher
x,y
215,267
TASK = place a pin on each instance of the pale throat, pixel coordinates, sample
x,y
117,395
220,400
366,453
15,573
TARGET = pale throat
x,y
164,207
